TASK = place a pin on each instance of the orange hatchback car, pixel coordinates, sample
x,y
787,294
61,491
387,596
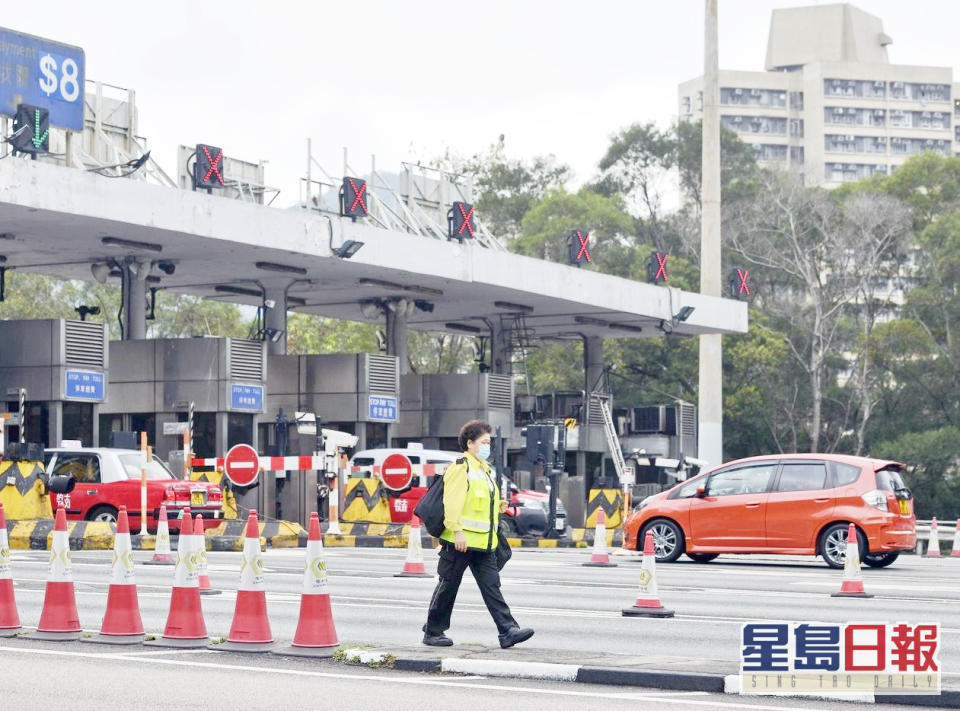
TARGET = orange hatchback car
x,y
798,504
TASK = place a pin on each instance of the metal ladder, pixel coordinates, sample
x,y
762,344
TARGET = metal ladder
x,y
613,440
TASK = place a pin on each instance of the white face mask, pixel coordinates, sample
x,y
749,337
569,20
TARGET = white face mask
x,y
483,452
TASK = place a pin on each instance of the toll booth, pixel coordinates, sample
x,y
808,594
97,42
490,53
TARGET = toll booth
x,y
62,365
356,393
156,384
433,408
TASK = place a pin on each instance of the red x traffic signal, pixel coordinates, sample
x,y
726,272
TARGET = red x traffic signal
x,y
353,198
579,247
208,168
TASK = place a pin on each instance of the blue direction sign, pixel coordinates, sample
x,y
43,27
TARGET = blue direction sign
x,y
84,385
382,408
246,397
42,73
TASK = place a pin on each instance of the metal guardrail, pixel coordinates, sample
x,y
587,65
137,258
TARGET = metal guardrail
x,y
943,529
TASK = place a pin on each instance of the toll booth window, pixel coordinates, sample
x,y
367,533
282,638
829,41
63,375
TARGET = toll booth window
x,y
239,429
78,422
133,464
205,434
84,468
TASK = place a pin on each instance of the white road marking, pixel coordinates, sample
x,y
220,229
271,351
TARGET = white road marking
x,y
412,681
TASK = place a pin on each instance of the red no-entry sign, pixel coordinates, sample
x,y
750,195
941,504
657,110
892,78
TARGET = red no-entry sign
x,y
396,472
241,465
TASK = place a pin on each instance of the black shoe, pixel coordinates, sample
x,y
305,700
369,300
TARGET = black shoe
x,y
437,640
515,636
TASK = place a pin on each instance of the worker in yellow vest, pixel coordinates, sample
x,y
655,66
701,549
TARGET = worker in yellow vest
x,y
472,508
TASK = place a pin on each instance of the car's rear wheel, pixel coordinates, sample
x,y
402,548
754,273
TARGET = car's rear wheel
x,y
880,560
667,539
103,513
511,525
702,557
833,544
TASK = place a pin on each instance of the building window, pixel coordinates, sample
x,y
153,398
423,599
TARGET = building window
x,y
796,127
796,100
796,154
740,96
911,91
956,133
851,172
956,107
770,152
854,88
902,146
755,124
699,101
840,143
685,106
938,120
851,116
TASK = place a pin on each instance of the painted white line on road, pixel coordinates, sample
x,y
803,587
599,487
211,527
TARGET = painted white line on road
x,y
396,679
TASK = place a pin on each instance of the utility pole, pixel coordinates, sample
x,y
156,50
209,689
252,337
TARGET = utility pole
x,y
710,390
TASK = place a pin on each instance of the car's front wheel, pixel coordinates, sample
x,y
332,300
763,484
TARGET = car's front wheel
x,y
880,560
833,544
103,513
667,539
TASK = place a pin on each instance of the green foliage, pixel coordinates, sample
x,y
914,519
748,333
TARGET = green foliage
x,y
931,458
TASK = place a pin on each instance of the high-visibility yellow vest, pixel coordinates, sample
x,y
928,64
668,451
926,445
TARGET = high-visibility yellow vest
x,y
480,515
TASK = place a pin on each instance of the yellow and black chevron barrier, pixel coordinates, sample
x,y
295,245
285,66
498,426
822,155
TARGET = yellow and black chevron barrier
x,y
23,492
229,506
365,500
611,501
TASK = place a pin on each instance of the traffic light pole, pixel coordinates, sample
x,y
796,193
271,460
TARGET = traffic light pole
x,y
554,478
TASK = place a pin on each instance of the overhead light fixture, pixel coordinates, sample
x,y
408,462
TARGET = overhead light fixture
x,y
153,279
130,243
7,235
379,282
425,306
666,326
100,272
430,291
684,313
275,267
590,321
626,327
510,306
238,290
167,268
466,328
296,301
347,249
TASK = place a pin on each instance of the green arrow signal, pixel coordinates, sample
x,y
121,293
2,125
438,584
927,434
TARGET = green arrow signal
x,y
37,141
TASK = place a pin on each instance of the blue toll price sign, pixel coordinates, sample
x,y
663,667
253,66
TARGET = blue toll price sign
x,y
43,73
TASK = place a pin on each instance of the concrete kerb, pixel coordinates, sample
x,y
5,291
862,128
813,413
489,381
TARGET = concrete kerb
x,y
99,535
228,536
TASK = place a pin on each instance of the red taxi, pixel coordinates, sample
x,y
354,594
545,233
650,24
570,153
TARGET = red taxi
x,y
109,478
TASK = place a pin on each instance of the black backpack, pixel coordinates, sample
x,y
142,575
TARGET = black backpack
x,y
430,508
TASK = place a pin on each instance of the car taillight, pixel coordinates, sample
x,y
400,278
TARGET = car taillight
x,y
169,495
877,499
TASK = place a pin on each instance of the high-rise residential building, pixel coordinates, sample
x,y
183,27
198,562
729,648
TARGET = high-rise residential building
x,y
830,104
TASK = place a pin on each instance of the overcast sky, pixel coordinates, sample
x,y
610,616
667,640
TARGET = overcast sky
x,y
410,79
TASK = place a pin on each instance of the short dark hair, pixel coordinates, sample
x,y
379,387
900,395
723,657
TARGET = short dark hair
x,y
471,431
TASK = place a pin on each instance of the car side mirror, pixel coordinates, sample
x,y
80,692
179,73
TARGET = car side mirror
x,y
61,484
701,492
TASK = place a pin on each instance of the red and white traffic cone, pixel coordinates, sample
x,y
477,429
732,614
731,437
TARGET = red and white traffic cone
x,y
316,634
933,542
648,601
9,619
200,545
185,626
59,620
852,585
122,623
162,555
413,566
250,631
600,558
955,553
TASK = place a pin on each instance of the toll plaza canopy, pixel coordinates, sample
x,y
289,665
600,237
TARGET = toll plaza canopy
x,y
54,220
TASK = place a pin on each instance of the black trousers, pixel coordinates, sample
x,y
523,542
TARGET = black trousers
x,y
483,565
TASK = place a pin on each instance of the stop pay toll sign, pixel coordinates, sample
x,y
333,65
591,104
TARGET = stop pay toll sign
x,y
396,472
241,465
